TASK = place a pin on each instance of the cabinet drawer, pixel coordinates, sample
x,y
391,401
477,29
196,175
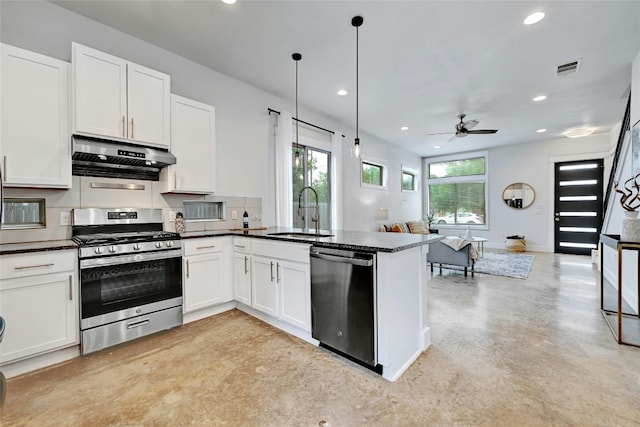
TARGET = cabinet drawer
x,y
204,245
32,264
242,245
298,252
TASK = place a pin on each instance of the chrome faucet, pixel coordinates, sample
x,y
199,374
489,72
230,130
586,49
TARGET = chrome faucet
x,y
316,217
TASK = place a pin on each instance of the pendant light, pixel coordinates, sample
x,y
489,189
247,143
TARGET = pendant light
x,y
297,57
357,21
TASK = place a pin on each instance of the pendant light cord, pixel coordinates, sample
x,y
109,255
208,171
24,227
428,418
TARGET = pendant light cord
x,y
357,89
297,146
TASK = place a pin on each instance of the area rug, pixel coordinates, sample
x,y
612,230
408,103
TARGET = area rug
x,y
505,264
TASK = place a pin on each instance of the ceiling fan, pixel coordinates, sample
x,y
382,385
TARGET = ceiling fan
x,y
464,128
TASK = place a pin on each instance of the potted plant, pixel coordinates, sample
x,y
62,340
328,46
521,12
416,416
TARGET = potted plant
x,y
430,219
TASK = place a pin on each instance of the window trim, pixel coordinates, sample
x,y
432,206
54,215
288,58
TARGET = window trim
x,y
459,179
384,170
416,179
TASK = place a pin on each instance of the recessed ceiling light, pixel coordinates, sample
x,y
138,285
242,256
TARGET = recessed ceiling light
x,y
533,18
436,146
578,132
404,128
229,1
541,130
342,92
540,98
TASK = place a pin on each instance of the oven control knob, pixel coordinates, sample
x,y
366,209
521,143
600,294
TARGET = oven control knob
x,y
98,250
136,246
158,245
112,249
169,243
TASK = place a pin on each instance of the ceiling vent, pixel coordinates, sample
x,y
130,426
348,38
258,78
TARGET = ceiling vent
x,y
569,67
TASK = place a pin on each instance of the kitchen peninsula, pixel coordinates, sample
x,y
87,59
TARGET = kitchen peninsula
x,y
400,284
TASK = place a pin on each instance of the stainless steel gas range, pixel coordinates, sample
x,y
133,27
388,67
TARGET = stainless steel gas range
x,y
130,275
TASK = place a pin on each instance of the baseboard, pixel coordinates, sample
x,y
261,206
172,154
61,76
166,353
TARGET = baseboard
x,y
21,367
207,312
290,329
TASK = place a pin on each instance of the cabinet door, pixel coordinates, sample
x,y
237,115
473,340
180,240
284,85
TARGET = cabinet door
x,y
193,144
41,314
242,278
265,286
295,294
202,281
35,132
148,103
100,92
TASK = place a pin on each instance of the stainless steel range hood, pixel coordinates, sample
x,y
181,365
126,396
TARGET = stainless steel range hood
x,y
111,159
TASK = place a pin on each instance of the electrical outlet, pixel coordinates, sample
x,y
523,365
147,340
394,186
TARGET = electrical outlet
x,y
234,214
65,218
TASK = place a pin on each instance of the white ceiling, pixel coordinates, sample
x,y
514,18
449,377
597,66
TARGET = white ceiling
x,y
421,62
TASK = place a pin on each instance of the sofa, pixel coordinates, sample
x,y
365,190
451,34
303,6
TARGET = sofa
x,y
451,252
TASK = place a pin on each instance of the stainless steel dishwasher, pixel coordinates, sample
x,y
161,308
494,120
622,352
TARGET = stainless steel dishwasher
x,y
343,303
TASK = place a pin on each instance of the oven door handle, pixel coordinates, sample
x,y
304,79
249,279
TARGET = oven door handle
x,y
123,259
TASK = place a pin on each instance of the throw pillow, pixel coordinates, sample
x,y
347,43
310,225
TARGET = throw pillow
x,y
417,227
399,228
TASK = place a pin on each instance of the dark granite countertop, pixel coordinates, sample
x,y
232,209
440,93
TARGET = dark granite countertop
x,y
371,241
43,246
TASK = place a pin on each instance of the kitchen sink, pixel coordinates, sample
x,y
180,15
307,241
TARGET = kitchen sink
x,y
300,234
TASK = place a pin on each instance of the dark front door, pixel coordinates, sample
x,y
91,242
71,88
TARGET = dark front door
x,y
578,206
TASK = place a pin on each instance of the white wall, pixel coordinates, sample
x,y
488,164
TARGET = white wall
x,y
532,164
242,123
616,214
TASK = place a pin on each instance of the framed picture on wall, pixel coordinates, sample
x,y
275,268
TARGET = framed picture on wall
x,y
635,148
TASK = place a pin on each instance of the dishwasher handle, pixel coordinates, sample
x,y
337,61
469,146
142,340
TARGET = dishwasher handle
x,y
336,258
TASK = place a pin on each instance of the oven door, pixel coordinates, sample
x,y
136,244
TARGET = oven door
x,y
118,287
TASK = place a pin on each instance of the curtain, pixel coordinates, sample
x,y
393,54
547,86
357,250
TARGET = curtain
x,y
336,168
284,185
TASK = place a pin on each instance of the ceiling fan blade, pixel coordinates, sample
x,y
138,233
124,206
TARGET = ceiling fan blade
x,y
471,124
440,133
482,131
453,138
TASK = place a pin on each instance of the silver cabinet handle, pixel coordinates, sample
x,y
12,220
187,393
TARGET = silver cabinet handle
x,y
239,246
34,266
246,269
278,272
132,137
206,247
70,288
272,271
4,167
124,127
138,324
187,269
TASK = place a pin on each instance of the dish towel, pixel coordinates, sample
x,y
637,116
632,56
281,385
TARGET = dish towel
x,y
458,243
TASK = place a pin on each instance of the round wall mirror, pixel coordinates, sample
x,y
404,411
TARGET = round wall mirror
x,y
518,195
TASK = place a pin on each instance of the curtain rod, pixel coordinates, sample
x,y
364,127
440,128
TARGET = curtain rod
x,y
271,110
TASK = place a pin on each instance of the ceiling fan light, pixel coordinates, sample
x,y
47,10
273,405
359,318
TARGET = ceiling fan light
x,y
578,132
534,18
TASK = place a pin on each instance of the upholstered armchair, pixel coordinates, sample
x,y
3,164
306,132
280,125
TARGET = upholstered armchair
x,y
447,256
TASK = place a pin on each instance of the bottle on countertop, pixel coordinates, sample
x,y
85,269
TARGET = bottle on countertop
x,y
245,219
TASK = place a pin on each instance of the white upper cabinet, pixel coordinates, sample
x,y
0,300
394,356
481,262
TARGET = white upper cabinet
x,y
119,99
35,141
194,145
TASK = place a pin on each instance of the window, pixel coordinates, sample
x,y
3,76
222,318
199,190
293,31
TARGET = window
x,y
373,174
457,191
23,213
313,171
409,179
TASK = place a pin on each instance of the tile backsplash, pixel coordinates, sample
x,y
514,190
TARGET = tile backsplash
x,y
83,195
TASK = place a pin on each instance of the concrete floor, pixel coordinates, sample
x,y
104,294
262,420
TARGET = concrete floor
x,y
505,352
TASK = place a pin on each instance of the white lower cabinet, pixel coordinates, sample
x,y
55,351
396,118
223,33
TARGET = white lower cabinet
x,y
242,270
207,278
39,303
282,284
